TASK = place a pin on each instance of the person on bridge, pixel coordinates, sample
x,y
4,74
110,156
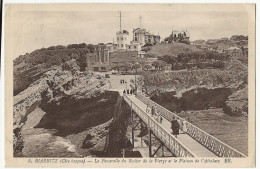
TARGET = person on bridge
x,y
175,127
160,118
148,109
156,117
152,112
124,91
155,109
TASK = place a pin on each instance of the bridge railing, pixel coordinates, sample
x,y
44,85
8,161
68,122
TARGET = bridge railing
x,y
176,147
210,142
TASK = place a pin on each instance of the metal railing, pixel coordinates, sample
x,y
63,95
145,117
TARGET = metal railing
x,y
175,146
210,142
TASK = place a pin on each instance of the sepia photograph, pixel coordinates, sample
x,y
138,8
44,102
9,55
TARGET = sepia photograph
x,y
159,81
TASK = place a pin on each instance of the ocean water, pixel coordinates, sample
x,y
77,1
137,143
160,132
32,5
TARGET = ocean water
x,y
39,142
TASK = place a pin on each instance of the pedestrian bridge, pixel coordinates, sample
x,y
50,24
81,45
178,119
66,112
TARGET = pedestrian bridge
x,y
193,143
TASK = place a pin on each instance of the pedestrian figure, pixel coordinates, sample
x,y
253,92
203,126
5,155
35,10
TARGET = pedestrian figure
x,y
152,111
156,117
131,91
175,127
184,128
127,91
160,118
148,109
155,109
123,81
124,91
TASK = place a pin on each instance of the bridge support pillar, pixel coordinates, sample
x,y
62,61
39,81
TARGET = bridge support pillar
x,y
163,151
132,121
150,143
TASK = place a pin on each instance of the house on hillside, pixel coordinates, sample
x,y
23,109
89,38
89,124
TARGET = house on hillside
x,y
245,51
234,51
142,36
178,36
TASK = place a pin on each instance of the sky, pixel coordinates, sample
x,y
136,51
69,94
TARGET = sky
x,y
30,27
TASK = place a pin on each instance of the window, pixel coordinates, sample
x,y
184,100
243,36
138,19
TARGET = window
x,y
117,39
129,47
117,45
135,38
122,45
122,38
135,47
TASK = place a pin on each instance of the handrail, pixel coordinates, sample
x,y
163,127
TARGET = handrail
x,y
176,147
210,142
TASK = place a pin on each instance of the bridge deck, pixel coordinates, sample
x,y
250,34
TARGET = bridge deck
x,y
198,149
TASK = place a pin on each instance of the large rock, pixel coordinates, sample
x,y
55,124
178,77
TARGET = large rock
x,y
237,103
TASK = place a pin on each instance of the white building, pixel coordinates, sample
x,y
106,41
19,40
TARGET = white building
x,y
122,40
133,47
142,36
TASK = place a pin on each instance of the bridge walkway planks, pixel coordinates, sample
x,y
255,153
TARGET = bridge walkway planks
x,y
196,148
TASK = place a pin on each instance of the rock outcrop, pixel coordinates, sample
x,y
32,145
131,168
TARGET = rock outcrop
x,y
73,101
237,103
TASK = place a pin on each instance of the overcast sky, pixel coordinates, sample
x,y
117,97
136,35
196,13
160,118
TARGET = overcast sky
x,y
32,27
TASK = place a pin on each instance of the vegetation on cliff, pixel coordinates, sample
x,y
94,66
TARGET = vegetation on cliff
x,y
170,49
30,67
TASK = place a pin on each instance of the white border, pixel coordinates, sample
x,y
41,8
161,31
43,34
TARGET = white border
x,y
119,1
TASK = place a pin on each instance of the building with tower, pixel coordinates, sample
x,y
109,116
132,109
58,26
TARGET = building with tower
x,y
106,56
122,40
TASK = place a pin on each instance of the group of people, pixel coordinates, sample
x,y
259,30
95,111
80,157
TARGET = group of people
x,y
127,91
123,81
154,113
176,123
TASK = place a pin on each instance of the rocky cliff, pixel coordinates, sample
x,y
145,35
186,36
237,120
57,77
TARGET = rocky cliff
x,y
76,104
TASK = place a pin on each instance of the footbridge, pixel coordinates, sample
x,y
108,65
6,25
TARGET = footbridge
x,y
194,142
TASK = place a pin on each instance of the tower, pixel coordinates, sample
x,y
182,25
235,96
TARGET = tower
x,y
121,36
140,17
